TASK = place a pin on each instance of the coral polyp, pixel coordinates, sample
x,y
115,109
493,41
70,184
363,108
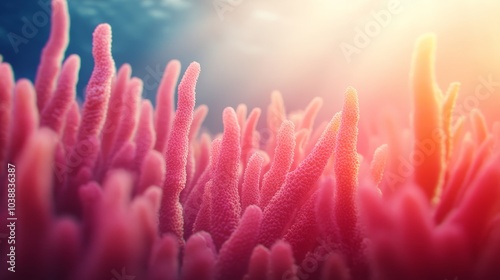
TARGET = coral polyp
x,y
116,188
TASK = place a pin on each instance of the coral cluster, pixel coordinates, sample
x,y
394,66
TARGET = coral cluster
x,y
117,189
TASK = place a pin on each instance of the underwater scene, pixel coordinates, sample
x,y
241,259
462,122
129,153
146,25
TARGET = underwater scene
x,y
249,140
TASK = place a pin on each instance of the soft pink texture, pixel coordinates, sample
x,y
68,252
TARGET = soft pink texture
x,y
34,200
115,107
176,155
305,221
241,113
283,157
197,198
275,116
258,268
452,188
281,262
310,113
249,135
377,165
25,117
99,86
100,216
199,258
145,136
203,217
129,117
335,268
164,262
52,54
324,207
448,106
56,109
346,173
427,117
165,104
97,96
479,126
225,206
6,88
73,119
298,183
250,188
234,254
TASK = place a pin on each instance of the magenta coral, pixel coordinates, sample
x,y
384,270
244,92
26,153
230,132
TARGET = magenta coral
x,y
55,111
115,107
177,151
52,54
6,87
235,253
250,189
225,207
282,160
116,188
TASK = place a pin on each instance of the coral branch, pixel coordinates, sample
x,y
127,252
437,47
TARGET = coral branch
x,y
234,254
226,208
115,107
251,181
52,54
6,100
283,157
165,104
25,117
176,155
427,119
298,184
54,114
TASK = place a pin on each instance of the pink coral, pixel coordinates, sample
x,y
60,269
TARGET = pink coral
x,y
119,189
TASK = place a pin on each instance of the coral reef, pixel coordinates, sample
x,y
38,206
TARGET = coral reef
x,y
116,189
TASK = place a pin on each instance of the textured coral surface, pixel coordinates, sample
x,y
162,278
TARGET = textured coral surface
x,y
116,189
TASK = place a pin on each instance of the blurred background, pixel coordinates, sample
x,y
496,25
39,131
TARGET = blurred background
x,y
247,48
